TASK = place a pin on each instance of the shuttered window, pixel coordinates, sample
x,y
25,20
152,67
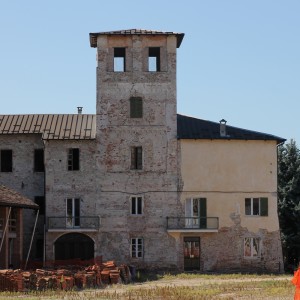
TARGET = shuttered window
x,y
136,158
196,213
136,107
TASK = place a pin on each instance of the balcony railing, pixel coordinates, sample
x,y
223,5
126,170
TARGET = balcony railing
x,y
71,223
12,225
184,223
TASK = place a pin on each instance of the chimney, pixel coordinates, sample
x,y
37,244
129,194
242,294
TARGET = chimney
x,y
79,110
223,128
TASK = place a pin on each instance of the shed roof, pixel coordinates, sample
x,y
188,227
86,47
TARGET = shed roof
x,y
9,197
192,128
51,126
93,36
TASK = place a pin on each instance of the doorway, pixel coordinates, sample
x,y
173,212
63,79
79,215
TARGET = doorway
x,y
191,253
74,245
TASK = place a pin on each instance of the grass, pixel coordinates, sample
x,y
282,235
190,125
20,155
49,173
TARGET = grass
x,y
181,286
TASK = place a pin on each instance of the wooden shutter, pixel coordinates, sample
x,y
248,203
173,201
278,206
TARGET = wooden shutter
x,y
136,107
139,158
203,214
263,206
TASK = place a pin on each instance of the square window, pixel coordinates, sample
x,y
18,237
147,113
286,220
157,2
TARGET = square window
x,y
6,160
39,160
136,158
119,60
73,159
256,206
137,247
136,107
136,205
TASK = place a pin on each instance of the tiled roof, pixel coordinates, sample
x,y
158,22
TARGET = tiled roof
x,y
83,127
52,127
10,197
93,36
192,128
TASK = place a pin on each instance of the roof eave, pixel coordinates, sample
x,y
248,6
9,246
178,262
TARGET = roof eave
x,y
94,35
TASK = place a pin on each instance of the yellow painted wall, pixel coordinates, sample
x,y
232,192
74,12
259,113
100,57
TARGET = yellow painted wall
x,y
228,171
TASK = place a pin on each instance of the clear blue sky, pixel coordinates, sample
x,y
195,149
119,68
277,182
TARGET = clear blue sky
x,y
239,60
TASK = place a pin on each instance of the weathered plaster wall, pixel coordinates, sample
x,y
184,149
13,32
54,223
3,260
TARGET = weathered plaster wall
x,y
226,172
155,132
62,184
23,179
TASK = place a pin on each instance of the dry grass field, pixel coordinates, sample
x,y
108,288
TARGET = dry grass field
x,y
181,286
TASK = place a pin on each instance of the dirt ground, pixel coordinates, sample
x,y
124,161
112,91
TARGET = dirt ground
x,y
204,282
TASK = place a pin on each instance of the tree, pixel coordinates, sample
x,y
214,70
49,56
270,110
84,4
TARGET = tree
x,y
289,201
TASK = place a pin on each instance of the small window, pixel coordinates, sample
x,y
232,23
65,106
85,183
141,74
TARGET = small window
x,y
73,159
39,160
137,247
136,158
136,205
119,59
40,201
136,107
6,160
154,59
256,206
251,247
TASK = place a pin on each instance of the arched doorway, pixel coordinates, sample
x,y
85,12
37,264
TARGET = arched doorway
x,y
74,245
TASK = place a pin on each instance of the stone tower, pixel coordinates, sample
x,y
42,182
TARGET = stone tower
x,y
137,144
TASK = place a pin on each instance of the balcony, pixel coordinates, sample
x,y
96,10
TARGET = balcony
x,y
184,224
78,224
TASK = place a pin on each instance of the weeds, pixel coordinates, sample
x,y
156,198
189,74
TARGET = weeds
x,y
187,287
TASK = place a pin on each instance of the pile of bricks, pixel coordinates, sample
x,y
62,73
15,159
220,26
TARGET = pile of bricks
x,y
64,278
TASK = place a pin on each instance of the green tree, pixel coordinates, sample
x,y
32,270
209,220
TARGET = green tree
x,y
289,201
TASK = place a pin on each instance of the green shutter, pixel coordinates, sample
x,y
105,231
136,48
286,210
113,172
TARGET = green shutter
x,y
136,107
263,206
203,214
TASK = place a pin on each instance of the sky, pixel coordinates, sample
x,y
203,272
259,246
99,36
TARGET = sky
x,y
239,59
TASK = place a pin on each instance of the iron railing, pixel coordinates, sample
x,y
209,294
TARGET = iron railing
x,y
85,222
186,223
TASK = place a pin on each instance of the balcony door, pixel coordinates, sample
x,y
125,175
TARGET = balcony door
x,y
195,213
191,253
72,212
